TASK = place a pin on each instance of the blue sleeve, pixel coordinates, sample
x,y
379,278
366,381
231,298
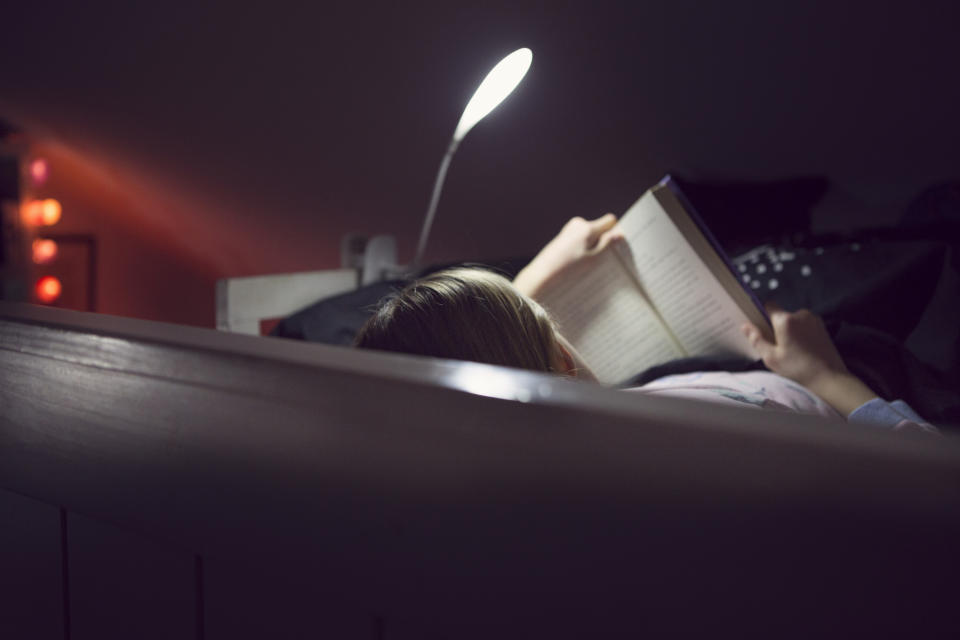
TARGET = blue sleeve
x,y
896,415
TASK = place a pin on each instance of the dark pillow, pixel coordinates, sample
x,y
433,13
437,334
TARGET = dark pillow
x,y
742,215
336,320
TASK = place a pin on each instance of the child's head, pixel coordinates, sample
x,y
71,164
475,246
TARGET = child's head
x,y
466,314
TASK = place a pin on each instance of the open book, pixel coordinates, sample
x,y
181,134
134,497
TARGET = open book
x,y
668,292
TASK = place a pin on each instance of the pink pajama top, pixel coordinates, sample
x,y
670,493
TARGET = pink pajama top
x,y
771,392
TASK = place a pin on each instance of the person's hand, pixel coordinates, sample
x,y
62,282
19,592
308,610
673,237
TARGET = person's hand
x,y
578,240
803,352
802,349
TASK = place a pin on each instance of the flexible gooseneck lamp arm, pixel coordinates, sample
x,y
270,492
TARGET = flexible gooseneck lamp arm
x,y
496,86
432,207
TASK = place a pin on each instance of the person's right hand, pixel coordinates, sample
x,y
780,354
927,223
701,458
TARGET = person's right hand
x,y
803,352
578,240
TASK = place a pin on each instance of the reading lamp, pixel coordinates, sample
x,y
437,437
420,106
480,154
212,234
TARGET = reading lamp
x,y
380,255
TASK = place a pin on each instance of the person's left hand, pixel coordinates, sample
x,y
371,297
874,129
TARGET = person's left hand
x,y
803,351
578,240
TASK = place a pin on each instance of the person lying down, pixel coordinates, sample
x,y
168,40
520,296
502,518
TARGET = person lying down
x,y
477,315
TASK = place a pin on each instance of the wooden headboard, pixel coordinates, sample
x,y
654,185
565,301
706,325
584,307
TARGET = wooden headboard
x,y
169,481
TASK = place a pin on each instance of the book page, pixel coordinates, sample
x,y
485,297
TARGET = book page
x,y
598,308
694,305
712,256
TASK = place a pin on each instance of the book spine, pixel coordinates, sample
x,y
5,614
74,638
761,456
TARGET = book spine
x,y
669,183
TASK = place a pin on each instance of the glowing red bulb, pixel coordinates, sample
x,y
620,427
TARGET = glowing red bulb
x,y
48,289
39,171
44,250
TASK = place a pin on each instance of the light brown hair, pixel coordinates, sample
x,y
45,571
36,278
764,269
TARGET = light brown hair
x,y
465,314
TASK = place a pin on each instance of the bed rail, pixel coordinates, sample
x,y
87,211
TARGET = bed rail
x,y
167,480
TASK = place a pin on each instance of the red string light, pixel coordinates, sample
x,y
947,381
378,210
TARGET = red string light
x,y
39,171
42,213
48,289
44,250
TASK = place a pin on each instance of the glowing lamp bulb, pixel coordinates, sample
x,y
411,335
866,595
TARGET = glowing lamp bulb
x,y
44,250
48,289
39,171
498,84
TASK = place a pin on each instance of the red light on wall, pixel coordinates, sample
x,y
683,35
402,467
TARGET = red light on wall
x,y
44,250
48,289
42,213
39,171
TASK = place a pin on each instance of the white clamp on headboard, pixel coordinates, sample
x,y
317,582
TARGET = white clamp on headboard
x,y
243,302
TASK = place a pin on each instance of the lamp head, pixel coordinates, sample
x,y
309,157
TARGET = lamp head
x,y
498,84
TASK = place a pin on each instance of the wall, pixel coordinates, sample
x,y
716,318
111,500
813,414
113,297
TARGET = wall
x,y
147,265
270,131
